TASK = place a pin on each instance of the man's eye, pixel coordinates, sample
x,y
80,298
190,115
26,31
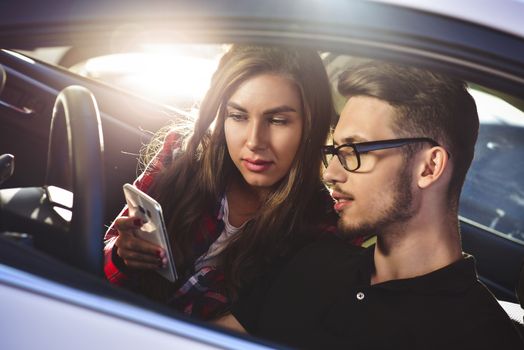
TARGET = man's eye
x,y
346,152
237,117
278,121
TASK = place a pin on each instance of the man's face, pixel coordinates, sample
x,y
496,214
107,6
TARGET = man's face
x,y
379,193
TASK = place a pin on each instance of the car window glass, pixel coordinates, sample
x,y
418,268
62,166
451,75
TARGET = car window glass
x,y
493,194
176,75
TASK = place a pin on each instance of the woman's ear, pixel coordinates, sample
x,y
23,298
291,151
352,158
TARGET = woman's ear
x,y
433,162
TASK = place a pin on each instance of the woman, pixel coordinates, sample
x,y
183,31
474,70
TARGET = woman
x,y
241,193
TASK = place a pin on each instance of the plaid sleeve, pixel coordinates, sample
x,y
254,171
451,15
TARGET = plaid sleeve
x,y
203,295
114,267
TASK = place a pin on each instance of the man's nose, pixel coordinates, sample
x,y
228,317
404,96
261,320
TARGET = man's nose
x,y
256,135
335,172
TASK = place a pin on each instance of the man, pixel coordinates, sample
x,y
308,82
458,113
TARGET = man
x,y
401,151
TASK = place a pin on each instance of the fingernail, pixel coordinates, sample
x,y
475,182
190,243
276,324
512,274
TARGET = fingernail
x,y
137,222
160,254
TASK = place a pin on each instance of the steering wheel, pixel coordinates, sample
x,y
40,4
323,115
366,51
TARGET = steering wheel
x,y
75,163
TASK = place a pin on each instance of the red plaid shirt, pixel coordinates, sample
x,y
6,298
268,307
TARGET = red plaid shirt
x,y
143,182
203,294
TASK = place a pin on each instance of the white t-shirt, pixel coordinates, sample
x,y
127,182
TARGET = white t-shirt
x,y
210,257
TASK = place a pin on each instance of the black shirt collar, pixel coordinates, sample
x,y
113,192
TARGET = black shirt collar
x,y
451,279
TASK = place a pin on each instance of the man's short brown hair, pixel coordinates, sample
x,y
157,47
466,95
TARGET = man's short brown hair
x,y
427,104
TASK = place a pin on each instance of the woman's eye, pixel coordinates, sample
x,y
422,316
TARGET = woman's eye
x,y
278,121
237,117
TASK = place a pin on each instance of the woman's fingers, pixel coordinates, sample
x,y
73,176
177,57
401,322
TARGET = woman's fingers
x,y
139,253
127,240
126,227
127,223
130,254
140,261
135,251
141,265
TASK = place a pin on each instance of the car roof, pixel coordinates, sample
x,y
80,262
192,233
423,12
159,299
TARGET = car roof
x,y
443,41
71,13
508,19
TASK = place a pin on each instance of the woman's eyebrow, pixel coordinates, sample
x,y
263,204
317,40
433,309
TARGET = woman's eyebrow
x,y
274,110
279,109
236,106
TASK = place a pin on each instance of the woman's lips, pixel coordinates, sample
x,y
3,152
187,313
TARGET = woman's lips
x,y
256,165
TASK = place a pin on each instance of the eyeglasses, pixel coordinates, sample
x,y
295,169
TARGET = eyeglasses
x,y
349,154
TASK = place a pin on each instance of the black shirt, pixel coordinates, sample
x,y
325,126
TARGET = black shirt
x,y
323,299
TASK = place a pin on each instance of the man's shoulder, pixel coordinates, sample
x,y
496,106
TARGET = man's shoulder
x,y
487,324
481,319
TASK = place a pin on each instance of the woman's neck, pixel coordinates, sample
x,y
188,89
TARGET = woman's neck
x,y
244,201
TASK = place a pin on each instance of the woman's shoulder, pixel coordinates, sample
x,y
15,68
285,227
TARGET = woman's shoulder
x,y
170,148
160,153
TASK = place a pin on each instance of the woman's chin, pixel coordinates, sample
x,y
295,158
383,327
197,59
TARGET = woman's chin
x,y
260,183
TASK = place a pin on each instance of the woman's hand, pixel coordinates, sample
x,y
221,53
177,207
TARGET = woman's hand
x,y
230,322
136,252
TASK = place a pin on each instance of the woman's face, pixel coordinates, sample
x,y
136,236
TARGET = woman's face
x,y
263,128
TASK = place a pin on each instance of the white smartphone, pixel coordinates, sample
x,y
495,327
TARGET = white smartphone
x,y
153,230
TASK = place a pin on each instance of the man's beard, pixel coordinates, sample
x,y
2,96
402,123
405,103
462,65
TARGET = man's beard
x,y
400,210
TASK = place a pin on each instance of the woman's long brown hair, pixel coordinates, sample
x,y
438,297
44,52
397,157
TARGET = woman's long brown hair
x,y
191,188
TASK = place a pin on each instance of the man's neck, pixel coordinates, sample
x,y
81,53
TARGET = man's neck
x,y
417,247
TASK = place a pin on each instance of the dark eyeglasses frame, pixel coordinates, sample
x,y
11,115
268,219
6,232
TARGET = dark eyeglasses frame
x,y
363,147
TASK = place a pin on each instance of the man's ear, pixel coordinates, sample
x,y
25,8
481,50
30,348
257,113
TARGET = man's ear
x,y
432,164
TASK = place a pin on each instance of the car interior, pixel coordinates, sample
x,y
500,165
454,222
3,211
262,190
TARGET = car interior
x,y
65,131
37,224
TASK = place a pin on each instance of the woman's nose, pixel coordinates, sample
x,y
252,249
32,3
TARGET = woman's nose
x,y
256,136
